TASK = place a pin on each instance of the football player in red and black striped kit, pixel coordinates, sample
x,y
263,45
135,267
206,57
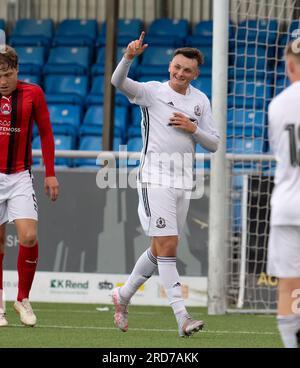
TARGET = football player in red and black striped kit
x,y
20,105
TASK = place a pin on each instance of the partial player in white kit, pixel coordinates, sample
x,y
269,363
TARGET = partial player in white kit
x,y
176,116
284,240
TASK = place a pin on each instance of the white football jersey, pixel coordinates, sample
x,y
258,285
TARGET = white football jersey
x,y
168,152
284,137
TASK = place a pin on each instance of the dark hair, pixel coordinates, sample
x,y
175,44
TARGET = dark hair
x,y
8,58
191,53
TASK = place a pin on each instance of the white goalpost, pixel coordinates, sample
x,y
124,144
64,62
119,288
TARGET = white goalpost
x,y
254,35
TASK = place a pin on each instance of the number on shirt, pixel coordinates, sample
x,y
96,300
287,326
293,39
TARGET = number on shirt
x,y
294,153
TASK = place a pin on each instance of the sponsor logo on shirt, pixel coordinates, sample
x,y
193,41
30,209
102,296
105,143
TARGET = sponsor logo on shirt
x,y
5,128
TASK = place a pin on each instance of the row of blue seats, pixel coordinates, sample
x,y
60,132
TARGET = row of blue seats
x,y
76,90
163,31
68,120
94,143
245,60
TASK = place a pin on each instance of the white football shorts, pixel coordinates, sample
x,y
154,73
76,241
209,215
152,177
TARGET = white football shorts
x,y
162,210
284,252
17,197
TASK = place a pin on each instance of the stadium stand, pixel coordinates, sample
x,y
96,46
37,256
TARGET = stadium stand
x,y
68,60
76,32
74,82
31,59
128,30
32,32
66,89
96,94
99,67
167,32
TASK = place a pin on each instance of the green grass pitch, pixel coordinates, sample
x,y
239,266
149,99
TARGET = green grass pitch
x,y
82,326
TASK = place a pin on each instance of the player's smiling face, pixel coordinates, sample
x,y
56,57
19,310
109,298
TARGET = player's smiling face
x,y
182,71
8,80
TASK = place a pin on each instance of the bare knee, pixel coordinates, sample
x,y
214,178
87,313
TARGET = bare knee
x,y
28,238
165,246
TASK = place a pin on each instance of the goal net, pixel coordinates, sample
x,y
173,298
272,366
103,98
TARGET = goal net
x,y
259,32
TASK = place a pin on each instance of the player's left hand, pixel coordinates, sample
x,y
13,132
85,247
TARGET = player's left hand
x,y
51,187
180,121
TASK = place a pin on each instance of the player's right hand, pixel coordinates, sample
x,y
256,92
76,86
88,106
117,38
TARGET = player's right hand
x,y
135,48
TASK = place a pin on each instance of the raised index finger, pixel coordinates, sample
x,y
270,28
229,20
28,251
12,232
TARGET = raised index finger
x,y
141,39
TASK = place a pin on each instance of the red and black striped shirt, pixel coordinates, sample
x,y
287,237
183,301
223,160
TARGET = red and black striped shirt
x,y
17,114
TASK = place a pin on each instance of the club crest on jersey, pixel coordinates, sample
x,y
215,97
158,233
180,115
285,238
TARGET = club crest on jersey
x,y
160,223
5,108
197,110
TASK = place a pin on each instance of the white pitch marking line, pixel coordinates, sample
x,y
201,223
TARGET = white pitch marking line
x,y
148,329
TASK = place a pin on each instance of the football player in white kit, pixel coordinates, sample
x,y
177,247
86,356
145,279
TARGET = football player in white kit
x,y
284,241
176,116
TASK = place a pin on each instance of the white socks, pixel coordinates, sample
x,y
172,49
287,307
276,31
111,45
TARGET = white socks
x,y
169,278
288,327
142,271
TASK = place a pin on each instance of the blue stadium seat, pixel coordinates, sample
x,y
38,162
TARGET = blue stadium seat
x,y
245,123
202,34
250,94
293,29
261,31
31,59
2,24
65,119
206,68
281,84
76,32
96,95
93,121
245,145
70,89
32,32
128,30
99,67
134,144
92,143
88,143
68,60
201,164
136,116
204,84
28,78
62,142
155,61
167,32
134,129
249,60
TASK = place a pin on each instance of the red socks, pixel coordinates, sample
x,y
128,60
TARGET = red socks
x,y
27,262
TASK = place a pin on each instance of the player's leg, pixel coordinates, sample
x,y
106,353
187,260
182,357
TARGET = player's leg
x,y
22,209
166,259
288,315
170,217
3,320
27,263
145,266
284,263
